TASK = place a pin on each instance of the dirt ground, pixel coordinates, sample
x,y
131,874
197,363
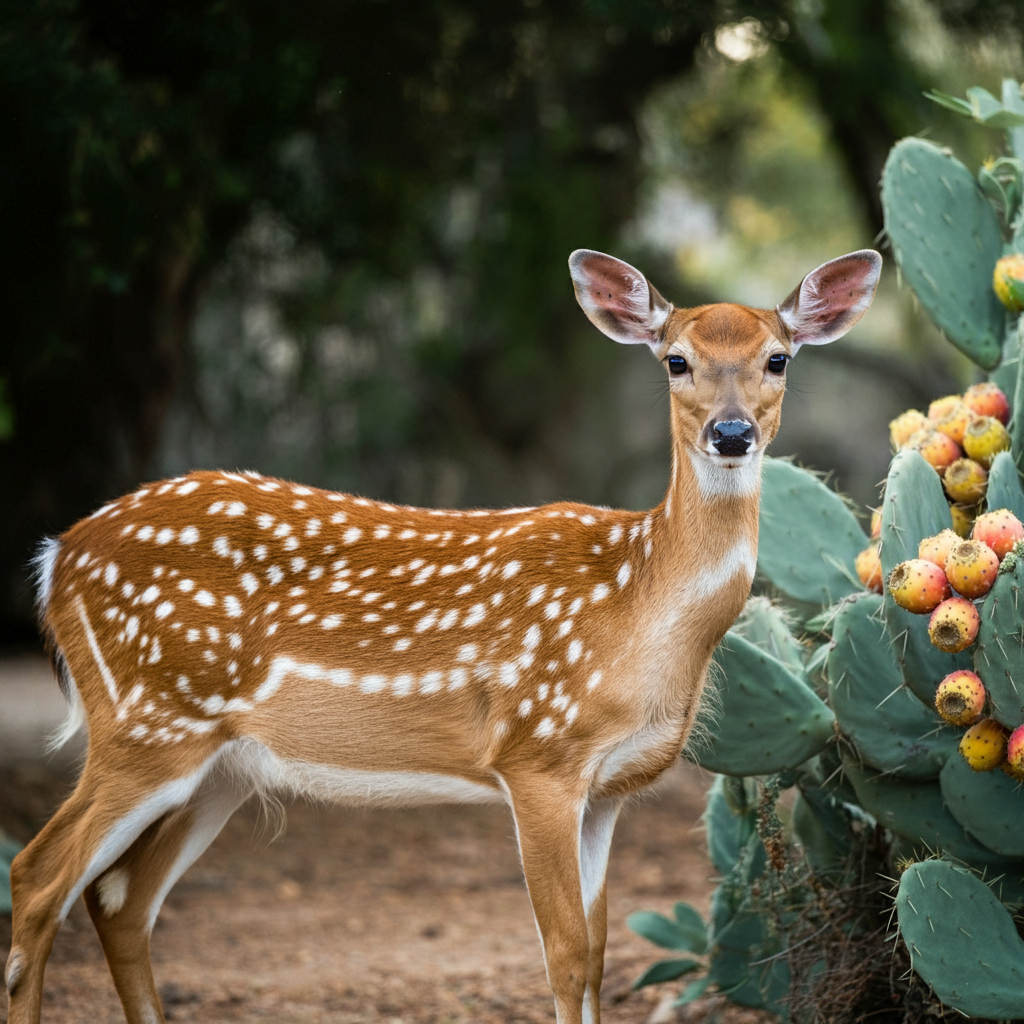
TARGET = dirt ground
x,y
367,916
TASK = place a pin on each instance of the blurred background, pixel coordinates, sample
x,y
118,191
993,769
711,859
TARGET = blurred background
x,y
327,239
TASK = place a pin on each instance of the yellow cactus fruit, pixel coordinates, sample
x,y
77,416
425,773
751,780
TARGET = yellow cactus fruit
x,y
962,517
984,438
954,423
905,426
965,481
983,746
1008,282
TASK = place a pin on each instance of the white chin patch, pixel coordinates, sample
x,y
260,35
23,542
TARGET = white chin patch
x,y
727,476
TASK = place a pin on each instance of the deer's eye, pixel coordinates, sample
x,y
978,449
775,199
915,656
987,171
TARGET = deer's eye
x,y
677,365
777,363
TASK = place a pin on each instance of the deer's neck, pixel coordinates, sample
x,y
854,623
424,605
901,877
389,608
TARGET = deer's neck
x,y
705,547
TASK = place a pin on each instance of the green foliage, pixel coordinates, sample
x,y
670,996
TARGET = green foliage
x,y
961,939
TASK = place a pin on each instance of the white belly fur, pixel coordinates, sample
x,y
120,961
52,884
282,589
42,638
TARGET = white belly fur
x,y
256,764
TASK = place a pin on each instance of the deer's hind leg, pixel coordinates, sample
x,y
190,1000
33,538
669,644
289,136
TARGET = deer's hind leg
x,y
124,901
109,809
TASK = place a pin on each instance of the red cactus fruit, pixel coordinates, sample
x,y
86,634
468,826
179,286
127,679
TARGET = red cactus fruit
x,y
869,568
987,399
971,568
953,625
984,438
918,586
983,746
960,698
965,481
938,449
1015,752
905,426
1000,530
935,549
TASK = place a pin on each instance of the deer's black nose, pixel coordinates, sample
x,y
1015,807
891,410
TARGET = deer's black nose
x,y
732,437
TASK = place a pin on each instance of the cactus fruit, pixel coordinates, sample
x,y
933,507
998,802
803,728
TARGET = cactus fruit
x,y
965,481
962,518
984,438
983,746
971,568
953,625
903,428
960,697
938,449
869,568
918,585
1015,751
1008,282
987,399
935,549
954,423
876,523
942,407
1000,530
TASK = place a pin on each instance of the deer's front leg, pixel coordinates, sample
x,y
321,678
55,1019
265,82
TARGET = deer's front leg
x,y
564,853
596,828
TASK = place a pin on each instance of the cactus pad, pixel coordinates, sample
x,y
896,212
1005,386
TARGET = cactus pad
x,y
999,650
1004,488
990,805
946,238
913,508
962,940
917,812
808,538
892,729
770,718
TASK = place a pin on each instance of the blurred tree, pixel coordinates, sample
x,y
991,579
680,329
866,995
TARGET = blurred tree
x,y
141,139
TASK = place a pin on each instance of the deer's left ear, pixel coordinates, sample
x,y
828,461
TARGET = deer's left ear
x,y
831,299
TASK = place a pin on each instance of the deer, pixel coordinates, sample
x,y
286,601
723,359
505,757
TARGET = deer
x,y
222,634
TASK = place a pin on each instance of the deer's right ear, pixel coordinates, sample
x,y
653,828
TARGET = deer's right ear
x,y
617,298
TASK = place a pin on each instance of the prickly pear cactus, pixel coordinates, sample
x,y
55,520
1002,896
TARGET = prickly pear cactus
x,y
833,694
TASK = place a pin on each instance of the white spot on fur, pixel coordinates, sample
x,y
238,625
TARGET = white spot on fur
x,y
112,890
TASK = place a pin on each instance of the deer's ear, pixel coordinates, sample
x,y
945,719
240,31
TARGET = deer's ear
x,y
831,299
617,298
